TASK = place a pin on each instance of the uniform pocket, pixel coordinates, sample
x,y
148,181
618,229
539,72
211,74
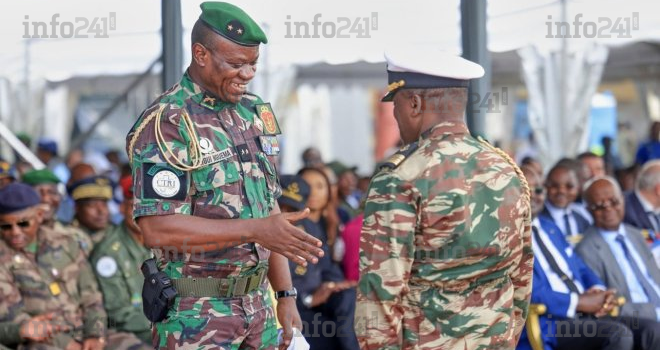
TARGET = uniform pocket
x,y
218,189
272,181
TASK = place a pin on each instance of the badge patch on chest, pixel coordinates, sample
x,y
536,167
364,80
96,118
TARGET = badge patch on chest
x,y
269,145
216,156
161,182
54,289
265,112
106,267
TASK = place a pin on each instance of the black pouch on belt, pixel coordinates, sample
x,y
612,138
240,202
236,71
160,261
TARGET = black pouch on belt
x,y
157,292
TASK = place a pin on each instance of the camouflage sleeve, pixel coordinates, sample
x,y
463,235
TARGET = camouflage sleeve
x,y
91,300
386,256
159,188
12,312
521,277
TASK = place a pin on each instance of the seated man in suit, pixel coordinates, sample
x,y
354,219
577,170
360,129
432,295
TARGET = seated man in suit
x,y
562,187
618,254
575,297
643,204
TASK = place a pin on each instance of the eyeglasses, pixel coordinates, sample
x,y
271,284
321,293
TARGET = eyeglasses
x,y
21,224
539,190
610,203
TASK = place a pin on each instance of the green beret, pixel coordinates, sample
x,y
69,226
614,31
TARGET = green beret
x,y
232,23
39,177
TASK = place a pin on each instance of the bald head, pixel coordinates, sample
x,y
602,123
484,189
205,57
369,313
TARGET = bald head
x,y
648,183
605,202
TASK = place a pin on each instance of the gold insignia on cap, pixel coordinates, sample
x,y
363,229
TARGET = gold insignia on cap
x,y
395,85
239,31
293,191
230,27
116,246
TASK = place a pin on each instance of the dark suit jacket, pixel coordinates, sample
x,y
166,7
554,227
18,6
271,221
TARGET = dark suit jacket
x,y
635,214
597,254
542,293
582,222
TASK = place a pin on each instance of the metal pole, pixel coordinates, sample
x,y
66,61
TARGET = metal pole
x,y
475,48
19,147
115,103
172,33
563,115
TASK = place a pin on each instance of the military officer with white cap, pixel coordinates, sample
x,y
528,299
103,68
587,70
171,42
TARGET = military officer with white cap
x,y
445,250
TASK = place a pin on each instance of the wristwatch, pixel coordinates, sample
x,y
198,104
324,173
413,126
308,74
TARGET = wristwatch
x,y
287,293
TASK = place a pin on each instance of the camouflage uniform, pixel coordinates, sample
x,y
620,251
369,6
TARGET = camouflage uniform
x,y
55,278
445,256
83,239
238,181
116,260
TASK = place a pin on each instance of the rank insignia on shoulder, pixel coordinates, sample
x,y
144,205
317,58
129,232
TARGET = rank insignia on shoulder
x,y
163,182
269,145
397,158
265,113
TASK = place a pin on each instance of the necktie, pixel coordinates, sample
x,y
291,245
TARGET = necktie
x,y
643,280
567,223
553,263
654,220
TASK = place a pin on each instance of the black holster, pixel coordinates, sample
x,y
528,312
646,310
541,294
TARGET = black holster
x,y
157,292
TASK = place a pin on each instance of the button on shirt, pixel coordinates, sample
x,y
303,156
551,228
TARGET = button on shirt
x,y
555,280
637,293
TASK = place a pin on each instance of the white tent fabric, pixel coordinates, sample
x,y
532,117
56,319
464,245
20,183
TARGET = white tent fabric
x,y
560,122
512,25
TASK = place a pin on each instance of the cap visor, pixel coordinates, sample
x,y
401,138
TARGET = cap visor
x,y
388,97
292,203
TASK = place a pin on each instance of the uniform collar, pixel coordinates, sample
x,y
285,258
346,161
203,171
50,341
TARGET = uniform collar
x,y
202,96
445,128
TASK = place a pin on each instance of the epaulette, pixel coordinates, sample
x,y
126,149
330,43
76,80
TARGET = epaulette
x,y
397,158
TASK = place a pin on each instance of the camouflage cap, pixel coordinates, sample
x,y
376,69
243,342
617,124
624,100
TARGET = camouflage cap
x,y
232,23
39,177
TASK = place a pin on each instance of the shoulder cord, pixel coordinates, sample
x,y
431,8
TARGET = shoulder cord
x,y
194,148
523,181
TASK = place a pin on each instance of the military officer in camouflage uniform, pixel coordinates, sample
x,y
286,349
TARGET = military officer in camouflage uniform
x,y
203,162
116,260
445,255
91,196
45,182
43,273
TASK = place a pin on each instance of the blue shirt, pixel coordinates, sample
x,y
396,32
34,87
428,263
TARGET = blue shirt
x,y
647,151
637,293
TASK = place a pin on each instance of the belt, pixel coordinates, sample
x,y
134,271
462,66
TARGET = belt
x,y
219,287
